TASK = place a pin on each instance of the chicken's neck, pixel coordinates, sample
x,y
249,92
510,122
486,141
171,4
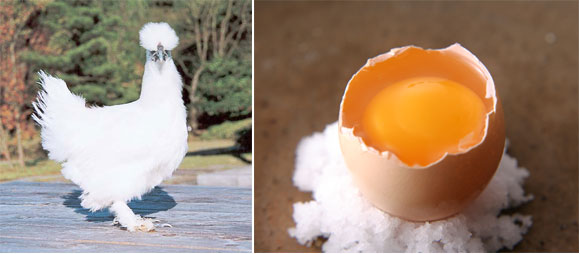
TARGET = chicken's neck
x,y
161,84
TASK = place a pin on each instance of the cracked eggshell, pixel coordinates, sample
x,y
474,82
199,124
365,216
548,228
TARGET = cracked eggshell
x,y
446,186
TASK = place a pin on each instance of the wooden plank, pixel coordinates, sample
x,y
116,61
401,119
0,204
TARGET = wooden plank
x,y
46,217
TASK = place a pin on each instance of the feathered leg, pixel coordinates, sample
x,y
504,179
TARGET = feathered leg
x,y
128,219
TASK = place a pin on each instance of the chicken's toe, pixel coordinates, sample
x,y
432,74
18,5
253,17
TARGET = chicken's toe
x,y
145,225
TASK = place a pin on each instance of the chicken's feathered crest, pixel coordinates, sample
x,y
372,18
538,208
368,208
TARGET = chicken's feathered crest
x,y
153,34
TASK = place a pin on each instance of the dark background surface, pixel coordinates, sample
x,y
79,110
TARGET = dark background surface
x,y
305,53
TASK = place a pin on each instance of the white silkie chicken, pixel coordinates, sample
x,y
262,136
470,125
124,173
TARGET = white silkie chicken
x,y
118,153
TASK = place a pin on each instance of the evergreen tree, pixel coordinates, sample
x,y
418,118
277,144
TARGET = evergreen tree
x,y
225,89
94,47
83,34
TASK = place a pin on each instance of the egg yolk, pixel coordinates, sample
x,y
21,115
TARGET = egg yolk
x,y
420,119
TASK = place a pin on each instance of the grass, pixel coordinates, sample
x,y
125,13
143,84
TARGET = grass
x,y
198,144
42,168
223,161
214,162
226,130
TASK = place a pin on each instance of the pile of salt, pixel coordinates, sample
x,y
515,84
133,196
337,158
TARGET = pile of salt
x,y
351,224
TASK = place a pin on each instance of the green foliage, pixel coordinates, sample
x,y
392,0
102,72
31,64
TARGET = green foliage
x,y
227,129
226,87
89,50
215,57
93,46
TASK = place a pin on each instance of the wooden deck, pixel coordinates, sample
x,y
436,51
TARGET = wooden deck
x,y
47,217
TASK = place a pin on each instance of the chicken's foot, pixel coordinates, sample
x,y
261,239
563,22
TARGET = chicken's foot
x,y
127,219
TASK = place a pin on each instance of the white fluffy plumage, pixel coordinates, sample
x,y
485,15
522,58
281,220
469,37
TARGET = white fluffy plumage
x,y
153,34
118,153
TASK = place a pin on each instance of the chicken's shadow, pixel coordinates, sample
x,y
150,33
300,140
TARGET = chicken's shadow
x,y
156,200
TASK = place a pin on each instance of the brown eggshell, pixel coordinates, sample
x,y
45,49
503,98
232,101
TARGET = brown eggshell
x,y
442,188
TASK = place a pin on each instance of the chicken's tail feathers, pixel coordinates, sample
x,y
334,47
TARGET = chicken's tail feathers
x,y
53,96
56,110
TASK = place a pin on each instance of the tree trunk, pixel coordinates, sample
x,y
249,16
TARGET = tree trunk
x,y
20,149
193,114
4,144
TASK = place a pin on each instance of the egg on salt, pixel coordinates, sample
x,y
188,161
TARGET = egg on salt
x,y
422,131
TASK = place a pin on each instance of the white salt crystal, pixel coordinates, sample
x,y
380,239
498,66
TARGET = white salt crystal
x,y
351,224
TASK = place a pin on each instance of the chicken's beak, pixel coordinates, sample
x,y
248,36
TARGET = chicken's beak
x,y
160,53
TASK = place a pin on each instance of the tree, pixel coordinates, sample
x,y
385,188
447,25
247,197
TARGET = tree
x,y
93,46
90,49
225,89
82,45
216,57
17,21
